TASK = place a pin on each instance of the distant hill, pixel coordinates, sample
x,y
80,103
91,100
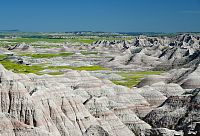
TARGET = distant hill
x,y
14,30
156,33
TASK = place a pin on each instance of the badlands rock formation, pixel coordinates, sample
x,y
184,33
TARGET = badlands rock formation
x,y
81,103
154,52
178,112
68,105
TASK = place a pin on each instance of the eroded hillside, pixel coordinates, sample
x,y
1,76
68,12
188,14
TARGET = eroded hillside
x,y
143,86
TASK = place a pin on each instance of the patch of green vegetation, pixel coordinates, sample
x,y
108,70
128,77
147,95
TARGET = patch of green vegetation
x,y
80,40
2,56
88,53
31,40
2,44
90,68
131,79
55,73
46,46
51,40
87,68
47,55
20,68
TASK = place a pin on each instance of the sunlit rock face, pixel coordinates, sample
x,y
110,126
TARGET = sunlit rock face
x,y
67,105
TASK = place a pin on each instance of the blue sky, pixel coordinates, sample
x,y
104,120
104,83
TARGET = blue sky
x,y
101,15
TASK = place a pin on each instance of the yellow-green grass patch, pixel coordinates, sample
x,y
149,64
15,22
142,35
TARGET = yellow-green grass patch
x,y
87,68
131,79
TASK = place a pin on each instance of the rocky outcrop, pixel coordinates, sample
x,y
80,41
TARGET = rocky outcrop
x,y
177,112
193,80
153,96
162,132
95,131
69,105
158,53
22,47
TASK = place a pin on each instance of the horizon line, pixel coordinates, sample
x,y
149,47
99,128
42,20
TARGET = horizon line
x,y
18,30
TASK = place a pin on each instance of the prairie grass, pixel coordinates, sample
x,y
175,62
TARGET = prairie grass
x,y
131,79
87,68
47,55
88,53
21,68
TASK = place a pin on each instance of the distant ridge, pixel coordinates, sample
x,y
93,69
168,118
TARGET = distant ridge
x,y
14,30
